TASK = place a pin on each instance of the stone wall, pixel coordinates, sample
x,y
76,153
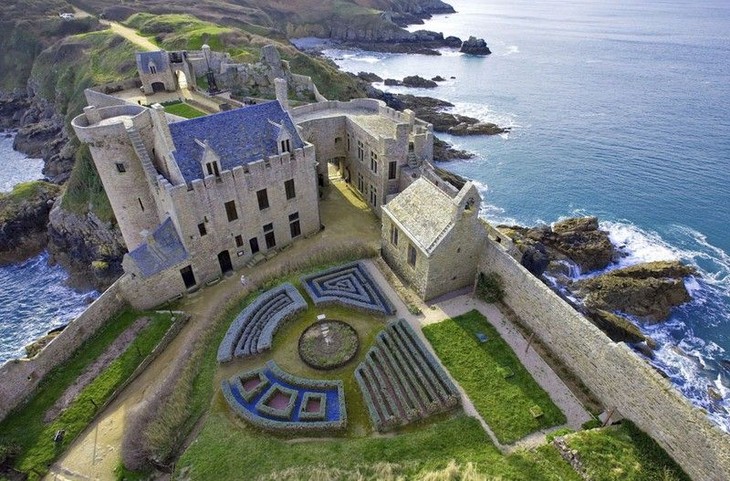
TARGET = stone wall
x,y
613,372
19,378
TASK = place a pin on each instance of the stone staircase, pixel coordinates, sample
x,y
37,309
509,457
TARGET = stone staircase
x,y
144,157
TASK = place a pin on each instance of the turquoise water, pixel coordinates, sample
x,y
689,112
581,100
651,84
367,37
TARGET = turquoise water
x,y
620,110
34,297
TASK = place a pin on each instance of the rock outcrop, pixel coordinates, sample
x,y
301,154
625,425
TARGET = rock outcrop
x,y
648,291
23,219
475,46
90,248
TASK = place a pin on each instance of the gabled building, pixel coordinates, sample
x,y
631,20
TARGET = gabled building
x,y
432,236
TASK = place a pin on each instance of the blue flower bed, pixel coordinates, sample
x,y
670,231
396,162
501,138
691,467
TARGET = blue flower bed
x,y
349,285
332,413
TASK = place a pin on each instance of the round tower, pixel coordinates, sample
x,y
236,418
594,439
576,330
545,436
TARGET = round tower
x,y
118,137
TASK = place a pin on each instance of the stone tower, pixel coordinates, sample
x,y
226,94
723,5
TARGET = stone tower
x,y
120,141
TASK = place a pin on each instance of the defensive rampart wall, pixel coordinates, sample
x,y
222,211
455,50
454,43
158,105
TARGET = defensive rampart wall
x,y
616,375
20,377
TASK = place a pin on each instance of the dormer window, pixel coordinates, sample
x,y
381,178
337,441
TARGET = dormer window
x,y
153,68
285,146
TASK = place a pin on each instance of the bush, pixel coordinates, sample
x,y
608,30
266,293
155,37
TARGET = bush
x,y
490,287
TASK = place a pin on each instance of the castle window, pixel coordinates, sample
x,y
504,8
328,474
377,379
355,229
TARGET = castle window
x,y
360,151
391,170
411,255
141,205
393,234
263,198
269,236
348,142
285,146
374,162
202,229
373,195
231,211
212,168
360,183
289,188
187,276
120,168
239,241
338,140
294,227
153,68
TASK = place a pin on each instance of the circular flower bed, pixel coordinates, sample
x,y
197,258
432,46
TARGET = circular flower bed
x,y
328,344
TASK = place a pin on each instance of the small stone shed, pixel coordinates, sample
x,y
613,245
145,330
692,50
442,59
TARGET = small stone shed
x,y
432,236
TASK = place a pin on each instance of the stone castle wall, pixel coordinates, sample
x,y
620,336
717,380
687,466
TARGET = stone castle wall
x,y
21,377
613,372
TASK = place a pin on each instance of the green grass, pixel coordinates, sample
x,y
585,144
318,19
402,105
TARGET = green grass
x,y
84,190
183,110
479,368
623,453
25,427
226,448
35,191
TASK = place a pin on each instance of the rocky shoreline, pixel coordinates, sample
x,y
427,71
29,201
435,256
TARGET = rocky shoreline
x,y
615,299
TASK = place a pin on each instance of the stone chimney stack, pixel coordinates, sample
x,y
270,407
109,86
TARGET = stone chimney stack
x,y
282,92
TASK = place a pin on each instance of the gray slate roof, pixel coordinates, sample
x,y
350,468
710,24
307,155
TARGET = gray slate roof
x,y
424,212
159,58
238,136
162,251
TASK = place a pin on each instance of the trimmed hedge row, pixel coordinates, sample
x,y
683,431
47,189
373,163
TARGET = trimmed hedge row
x,y
322,287
253,329
401,382
267,417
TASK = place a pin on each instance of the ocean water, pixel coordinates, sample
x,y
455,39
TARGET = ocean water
x,y
620,110
34,296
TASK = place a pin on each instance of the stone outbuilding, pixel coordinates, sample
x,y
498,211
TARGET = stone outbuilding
x,y
432,236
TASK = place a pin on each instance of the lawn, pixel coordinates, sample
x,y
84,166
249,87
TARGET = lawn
x,y
623,453
25,429
183,110
226,449
502,390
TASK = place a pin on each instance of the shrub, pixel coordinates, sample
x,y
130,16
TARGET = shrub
x,y
490,287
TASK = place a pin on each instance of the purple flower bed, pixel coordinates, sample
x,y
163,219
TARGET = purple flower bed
x,y
349,285
289,403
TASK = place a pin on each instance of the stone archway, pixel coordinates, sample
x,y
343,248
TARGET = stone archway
x,y
158,87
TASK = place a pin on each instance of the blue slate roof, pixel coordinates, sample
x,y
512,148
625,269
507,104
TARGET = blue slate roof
x,y
238,136
158,58
165,250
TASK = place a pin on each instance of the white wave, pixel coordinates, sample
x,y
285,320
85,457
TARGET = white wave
x,y
484,113
449,52
640,245
511,50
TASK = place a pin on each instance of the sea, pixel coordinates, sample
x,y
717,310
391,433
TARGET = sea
x,y
34,295
617,109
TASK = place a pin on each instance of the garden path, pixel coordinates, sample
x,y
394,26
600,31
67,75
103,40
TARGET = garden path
x,y
460,303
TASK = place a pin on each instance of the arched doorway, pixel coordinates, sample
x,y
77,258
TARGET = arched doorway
x,y
182,80
158,87
224,259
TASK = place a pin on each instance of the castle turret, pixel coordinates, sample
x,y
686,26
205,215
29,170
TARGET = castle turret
x,y
118,140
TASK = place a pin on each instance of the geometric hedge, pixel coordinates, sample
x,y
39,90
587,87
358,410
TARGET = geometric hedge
x,y
349,285
401,381
278,401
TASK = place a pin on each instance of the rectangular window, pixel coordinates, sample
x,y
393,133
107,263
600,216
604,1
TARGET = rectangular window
x,y
393,234
202,229
253,243
269,236
411,255
360,151
141,205
263,198
360,183
231,211
289,188
212,168
374,162
373,196
285,146
120,168
239,241
294,227
391,170
348,142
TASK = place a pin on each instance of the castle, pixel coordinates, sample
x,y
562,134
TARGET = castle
x,y
197,199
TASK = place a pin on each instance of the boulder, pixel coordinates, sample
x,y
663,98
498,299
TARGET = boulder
x,y
444,151
619,328
392,82
438,78
478,128
369,77
23,218
415,81
453,42
535,259
648,291
475,46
